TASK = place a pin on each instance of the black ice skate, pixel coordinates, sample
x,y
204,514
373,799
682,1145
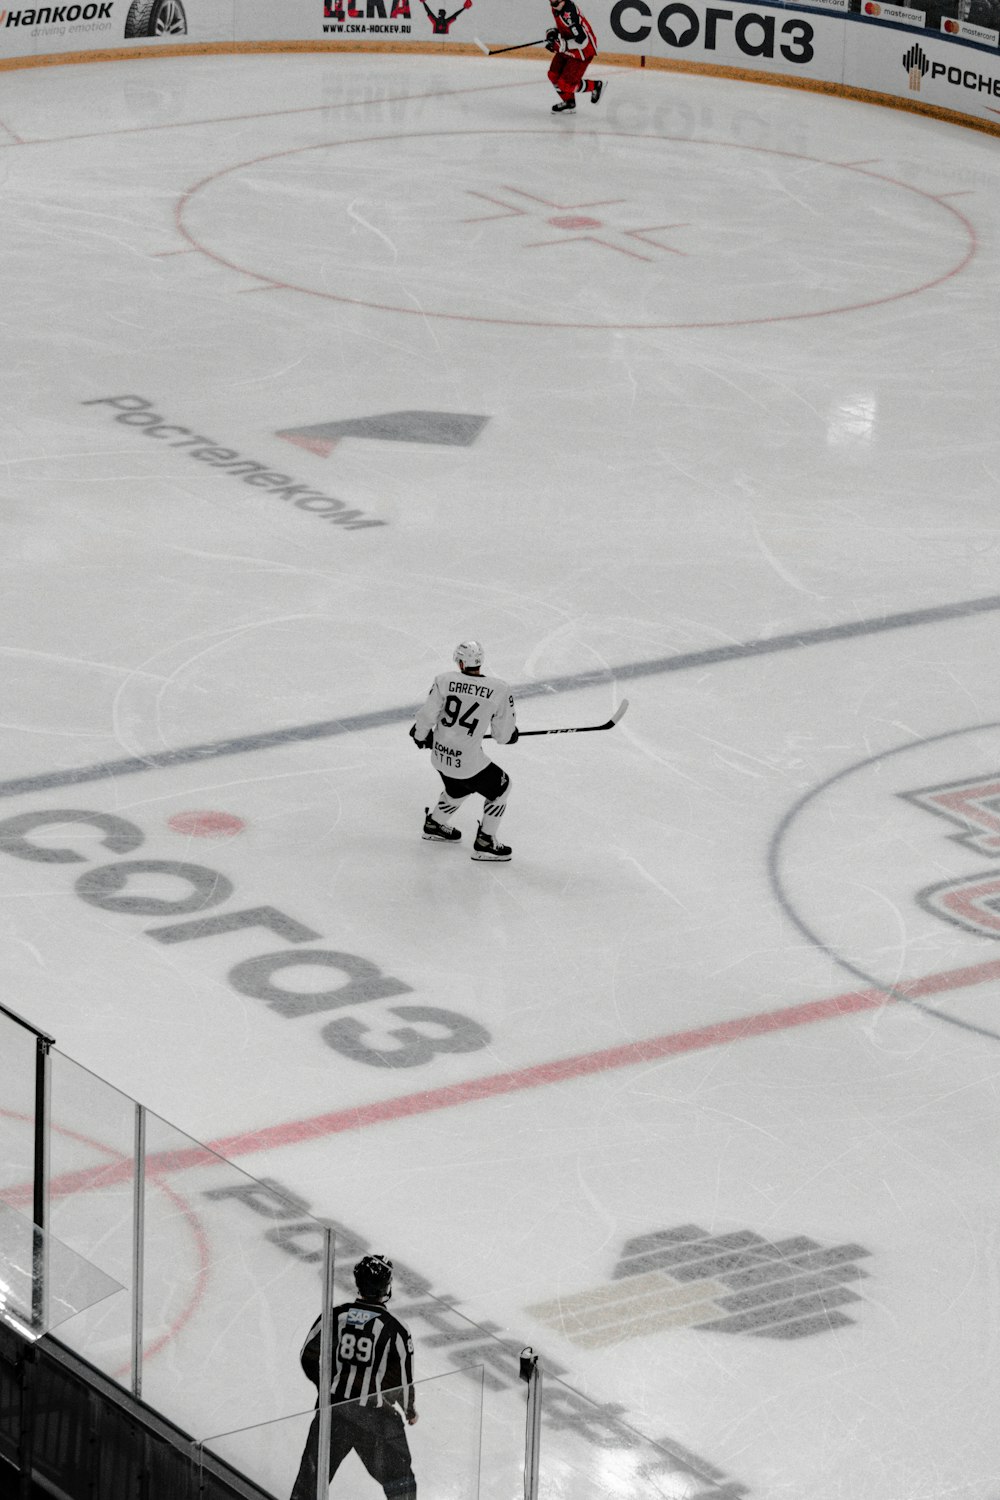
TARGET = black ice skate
x,y
487,848
557,109
439,832
597,90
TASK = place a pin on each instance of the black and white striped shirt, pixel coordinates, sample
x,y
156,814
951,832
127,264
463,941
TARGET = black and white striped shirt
x,y
372,1356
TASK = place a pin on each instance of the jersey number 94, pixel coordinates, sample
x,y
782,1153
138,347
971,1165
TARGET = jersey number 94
x,y
452,709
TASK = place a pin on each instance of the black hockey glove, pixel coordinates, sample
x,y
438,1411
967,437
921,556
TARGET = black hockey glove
x,y
552,40
421,744
514,738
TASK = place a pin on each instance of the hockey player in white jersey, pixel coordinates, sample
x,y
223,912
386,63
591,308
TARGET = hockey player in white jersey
x,y
461,708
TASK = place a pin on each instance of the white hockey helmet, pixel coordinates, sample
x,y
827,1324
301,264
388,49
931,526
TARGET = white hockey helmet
x,y
469,653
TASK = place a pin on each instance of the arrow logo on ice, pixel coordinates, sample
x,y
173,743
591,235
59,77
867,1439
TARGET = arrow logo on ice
x,y
447,429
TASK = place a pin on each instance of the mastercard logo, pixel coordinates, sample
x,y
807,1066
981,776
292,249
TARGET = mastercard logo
x,y
952,26
871,9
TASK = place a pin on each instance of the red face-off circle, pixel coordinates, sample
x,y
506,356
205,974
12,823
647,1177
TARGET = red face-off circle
x,y
679,214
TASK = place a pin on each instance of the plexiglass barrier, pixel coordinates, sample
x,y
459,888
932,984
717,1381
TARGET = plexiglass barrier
x,y
588,1453
42,1281
17,1113
91,1178
232,1284
181,1277
444,1445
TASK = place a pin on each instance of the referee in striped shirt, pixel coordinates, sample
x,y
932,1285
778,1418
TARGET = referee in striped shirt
x,y
372,1387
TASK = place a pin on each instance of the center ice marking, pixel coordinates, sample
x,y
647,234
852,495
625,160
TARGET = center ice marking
x,y
206,825
574,221
232,205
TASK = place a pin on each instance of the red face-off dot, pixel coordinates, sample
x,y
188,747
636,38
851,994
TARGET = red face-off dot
x,y
206,825
574,221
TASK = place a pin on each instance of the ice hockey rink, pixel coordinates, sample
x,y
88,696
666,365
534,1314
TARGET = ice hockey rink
x,y
315,365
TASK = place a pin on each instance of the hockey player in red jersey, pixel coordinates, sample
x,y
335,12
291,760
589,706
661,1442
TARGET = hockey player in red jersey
x,y
572,40
461,708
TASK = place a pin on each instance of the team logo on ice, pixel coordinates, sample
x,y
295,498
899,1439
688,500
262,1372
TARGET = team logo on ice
x,y
723,1283
972,809
892,868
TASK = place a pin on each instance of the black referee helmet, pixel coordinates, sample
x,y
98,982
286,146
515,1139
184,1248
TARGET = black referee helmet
x,y
373,1277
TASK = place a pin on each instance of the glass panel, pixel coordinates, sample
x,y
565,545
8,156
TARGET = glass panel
x,y
589,1453
233,1281
268,1454
92,1143
42,1281
17,1114
503,1442
444,1444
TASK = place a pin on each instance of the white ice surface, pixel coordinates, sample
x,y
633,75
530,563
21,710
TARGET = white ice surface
x,y
759,401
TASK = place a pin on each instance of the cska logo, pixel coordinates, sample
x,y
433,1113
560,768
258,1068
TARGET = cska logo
x,y
368,10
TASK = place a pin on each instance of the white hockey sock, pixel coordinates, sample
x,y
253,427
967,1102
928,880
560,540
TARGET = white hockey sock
x,y
493,811
446,809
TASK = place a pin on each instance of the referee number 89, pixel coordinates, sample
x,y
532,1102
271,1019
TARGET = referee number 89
x,y
356,1349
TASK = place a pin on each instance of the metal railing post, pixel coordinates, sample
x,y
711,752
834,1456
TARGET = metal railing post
x,y
138,1243
531,1374
325,1413
40,1184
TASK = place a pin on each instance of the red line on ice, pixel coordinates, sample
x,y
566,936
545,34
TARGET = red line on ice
x,y
717,1034
652,1049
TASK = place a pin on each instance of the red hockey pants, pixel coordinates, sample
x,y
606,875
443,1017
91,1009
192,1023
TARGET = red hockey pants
x,y
567,69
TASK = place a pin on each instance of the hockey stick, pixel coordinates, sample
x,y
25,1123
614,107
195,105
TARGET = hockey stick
x,y
577,728
494,52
